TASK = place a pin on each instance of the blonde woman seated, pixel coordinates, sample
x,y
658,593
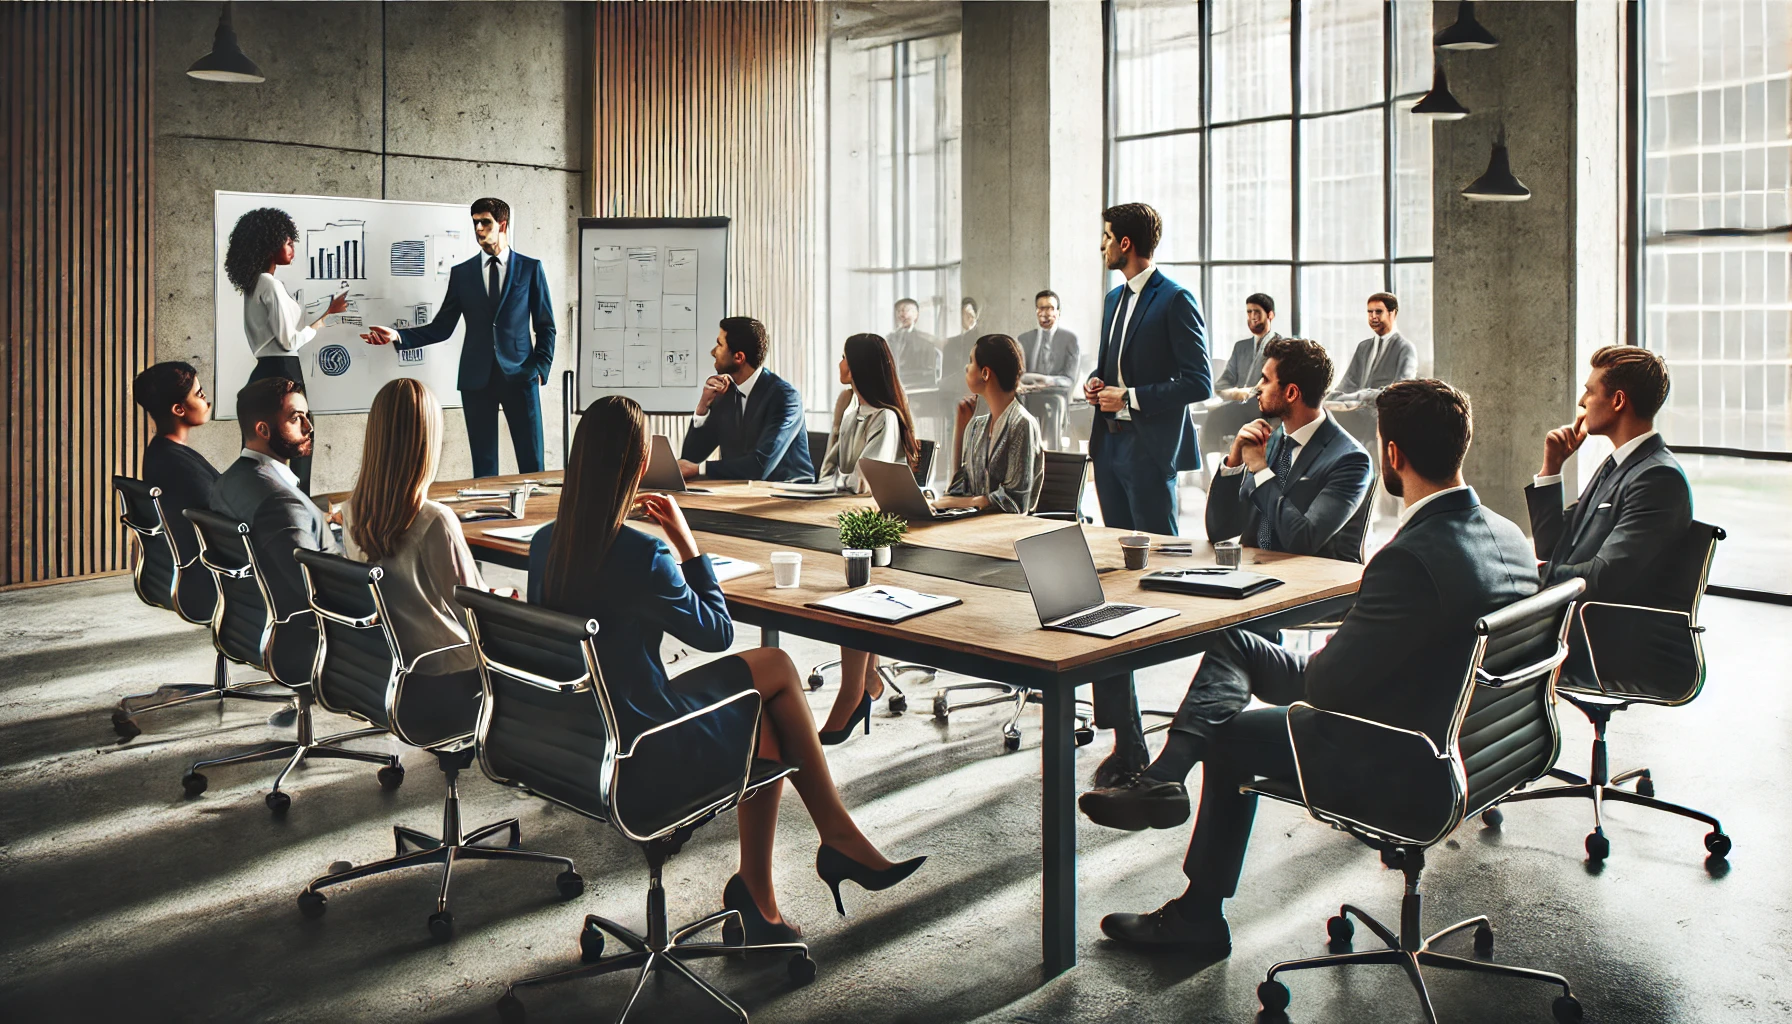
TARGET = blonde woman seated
x,y
875,422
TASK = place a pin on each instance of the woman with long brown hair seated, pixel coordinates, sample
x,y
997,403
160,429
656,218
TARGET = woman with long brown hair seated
x,y
590,563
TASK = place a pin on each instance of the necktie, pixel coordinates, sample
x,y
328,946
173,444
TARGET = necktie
x,y
491,282
1282,463
1045,353
1117,337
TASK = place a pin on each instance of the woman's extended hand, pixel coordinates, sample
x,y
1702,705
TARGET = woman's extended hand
x,y
662,509
337,304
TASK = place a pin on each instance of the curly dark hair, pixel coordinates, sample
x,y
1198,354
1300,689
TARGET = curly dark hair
x,y
257,236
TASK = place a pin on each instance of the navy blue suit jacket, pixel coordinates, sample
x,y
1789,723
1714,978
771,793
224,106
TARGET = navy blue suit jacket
x,y
1322,511
1164,361
770,442
500,335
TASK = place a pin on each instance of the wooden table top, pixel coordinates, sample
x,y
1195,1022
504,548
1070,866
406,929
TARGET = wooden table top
x,y
992,622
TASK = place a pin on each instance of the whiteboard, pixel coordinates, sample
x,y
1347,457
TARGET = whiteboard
x,y
393,258
652,291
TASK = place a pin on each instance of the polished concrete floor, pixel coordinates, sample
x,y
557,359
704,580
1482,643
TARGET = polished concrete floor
x,y
120,899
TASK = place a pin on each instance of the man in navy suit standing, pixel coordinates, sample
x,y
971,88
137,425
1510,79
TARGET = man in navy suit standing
x,y
503,294
1153,365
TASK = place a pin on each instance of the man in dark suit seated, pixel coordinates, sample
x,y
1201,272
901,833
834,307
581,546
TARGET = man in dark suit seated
x,y
1620,535
753,415
1051,354
1398,659
260,489
1238,381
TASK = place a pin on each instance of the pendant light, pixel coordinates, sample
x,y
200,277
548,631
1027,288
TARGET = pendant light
x,y
1498,185
1467,33
226,62
1438,103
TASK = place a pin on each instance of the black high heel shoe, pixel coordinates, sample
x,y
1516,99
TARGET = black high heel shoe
x,y
835,867
834,737
758,931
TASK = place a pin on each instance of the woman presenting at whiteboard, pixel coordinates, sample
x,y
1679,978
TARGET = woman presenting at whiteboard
x,y
272,321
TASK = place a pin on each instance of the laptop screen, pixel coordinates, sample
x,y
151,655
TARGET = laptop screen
x,y
1060,572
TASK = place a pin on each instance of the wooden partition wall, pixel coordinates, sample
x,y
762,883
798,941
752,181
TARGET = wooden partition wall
x,y
706,109
76,302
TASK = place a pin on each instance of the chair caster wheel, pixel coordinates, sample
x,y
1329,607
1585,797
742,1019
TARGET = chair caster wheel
x,y
802,969
125,727
1567,1010
815,681
1273,995
1393,859
391,776
510,1010
194,783
571,885
898,704
278,802
441,924
312,905
1011,740
1717,845
1598,847
1484,941
1645,786
941,708
1339,930
591,945
1084,737
1493,817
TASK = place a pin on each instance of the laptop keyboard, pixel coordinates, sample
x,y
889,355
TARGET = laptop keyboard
x,y
1098,616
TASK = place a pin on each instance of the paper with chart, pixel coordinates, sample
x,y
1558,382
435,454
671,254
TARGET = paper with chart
x,y
654,290
391,258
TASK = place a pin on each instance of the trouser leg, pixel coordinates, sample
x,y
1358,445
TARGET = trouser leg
x,y
1112,456
1253,744
1238,665
480,407
1151,490
1117,708
522,411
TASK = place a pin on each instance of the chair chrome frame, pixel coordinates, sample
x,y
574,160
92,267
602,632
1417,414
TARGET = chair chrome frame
x,y
170,695
305,744
1409,947
662,948
1601,701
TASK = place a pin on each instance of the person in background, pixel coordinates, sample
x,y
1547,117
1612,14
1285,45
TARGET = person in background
x,y
273,322
590,563
956,352
1380,359
917,353
173,397
753,415
1051,354
1238,381
998,458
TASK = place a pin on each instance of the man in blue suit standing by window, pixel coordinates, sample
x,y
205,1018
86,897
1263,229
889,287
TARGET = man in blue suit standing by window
x,y
503,294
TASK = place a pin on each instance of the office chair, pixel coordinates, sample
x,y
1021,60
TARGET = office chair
x,y
549,728
1627,655
1396,791
361,672
818,447
1060,498
246,630
165,579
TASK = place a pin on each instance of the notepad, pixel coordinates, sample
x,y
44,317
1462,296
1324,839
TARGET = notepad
x,y
522,533
827,489
732,568
885,604
1232,583
474,492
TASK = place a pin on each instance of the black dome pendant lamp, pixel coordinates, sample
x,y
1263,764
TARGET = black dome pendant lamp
x,y
226,62
1467,33
1498,185
1438,103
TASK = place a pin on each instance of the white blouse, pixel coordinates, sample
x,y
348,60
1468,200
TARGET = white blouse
x,y
862,433
272,321
430,558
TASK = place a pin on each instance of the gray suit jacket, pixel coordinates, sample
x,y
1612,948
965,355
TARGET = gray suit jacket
x,y
1316,514
1362,382
1060,364
917,356
1245,366
280,520
1623,536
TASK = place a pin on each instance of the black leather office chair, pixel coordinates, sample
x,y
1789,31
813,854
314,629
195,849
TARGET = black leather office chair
x,y
246,630
361,671
1399,792
549,727
818,447
1627,655
165,578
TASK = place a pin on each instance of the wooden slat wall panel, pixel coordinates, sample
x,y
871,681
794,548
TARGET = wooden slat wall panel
x,y
77,316
704,109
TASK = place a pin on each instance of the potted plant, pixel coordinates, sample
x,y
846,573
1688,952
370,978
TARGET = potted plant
x,y
867,528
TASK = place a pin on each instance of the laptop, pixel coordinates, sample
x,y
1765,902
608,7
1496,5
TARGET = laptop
x,y
893,485
662,469
1066,589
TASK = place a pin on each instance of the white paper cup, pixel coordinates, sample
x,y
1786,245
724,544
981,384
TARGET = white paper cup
x,y
787,569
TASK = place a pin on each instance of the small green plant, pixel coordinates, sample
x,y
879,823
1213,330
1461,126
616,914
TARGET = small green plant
x,y
869,528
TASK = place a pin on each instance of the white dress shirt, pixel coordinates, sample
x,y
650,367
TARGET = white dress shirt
x,y
273,321
745,388
485,271
1413,509
281,469
1300,438
1619,457
1137,284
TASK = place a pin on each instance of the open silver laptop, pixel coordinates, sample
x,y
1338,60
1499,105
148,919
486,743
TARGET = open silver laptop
x,y
1066,588
893,485
662,469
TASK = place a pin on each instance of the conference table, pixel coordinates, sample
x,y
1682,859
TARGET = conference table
x,y
994,634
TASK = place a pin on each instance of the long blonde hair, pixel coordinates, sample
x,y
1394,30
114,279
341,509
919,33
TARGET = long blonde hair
x,y
398,463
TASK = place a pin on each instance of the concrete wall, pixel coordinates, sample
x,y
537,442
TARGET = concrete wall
x,y
438,102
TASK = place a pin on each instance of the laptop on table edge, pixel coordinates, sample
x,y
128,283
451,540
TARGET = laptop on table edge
x,y
1067,591
894,488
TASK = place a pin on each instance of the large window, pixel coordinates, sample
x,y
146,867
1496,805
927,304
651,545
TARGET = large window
x,y
1717,202
1276,140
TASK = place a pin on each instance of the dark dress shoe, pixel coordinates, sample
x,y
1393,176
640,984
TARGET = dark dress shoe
x,y
1114,770
1166,926
1139,803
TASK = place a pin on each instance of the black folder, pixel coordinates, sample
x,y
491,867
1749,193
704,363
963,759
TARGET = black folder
x,y
1230,583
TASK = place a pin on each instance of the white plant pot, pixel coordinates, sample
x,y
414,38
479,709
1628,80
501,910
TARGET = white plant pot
x,y
880,556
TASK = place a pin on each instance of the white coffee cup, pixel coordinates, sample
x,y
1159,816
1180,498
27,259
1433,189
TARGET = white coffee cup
x,y
787,569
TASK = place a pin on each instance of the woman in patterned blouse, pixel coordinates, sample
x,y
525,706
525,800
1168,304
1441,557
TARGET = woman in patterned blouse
x,y
998,459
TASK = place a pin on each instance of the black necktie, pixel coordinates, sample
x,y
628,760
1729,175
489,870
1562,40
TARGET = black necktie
x,y
1110,372
1045,352
491,283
